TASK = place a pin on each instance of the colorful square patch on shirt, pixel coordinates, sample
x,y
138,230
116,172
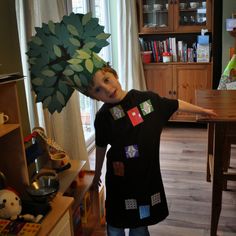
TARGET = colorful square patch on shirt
x,y
135,116
146,107
130,204
131,151
118,168
155,198
144,211
117,112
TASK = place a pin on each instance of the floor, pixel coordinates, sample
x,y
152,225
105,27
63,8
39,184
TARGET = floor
x,y
183,164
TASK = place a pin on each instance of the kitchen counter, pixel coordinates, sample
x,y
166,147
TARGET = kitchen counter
x,y
61,204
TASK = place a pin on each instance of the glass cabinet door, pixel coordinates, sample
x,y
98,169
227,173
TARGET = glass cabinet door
x,y
156,15
174,15
193,15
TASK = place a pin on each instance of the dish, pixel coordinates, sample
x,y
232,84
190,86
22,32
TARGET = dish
x,y
194,5
44,186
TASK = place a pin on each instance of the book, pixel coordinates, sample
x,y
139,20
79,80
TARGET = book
x,y
8,227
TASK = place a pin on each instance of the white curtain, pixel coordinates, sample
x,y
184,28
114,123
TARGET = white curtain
x,y
129,60
64,127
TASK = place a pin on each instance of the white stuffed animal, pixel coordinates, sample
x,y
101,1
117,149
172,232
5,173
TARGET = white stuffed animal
x,y
10,207
10,204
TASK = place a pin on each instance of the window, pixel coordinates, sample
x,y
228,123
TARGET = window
x,y
88,106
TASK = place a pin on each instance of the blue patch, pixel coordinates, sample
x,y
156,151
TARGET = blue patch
x,y
144,211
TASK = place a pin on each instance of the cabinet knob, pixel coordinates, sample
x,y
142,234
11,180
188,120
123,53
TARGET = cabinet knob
x,y
170,92
174,92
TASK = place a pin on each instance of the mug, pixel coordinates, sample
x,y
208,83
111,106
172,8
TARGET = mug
x,y
3,118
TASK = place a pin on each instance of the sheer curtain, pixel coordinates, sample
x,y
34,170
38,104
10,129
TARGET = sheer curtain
x,y
129,60
65,127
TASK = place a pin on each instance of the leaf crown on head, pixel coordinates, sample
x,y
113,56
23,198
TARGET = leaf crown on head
x,y
63,58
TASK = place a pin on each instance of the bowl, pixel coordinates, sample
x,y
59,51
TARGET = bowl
x,y
44,186
194,5
157,7
182,5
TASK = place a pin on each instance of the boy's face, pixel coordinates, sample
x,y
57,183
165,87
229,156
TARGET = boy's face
x,y
106,88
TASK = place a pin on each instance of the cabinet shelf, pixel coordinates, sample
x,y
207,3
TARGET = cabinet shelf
x,y
7,128
178,63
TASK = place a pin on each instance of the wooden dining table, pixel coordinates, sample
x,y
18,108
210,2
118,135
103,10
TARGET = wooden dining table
x,y
223,102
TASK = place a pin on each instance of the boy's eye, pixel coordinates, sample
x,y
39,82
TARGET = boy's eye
x,y
97,90
106,79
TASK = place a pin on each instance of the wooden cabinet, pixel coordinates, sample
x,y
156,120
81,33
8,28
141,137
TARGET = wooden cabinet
x,y
174,16
13,162
178,81
63,227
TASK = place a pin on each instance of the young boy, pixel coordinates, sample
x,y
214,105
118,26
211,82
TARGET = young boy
x,y
131,123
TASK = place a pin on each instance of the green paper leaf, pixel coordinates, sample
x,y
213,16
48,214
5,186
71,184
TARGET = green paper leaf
x,y
69,82
63,87
95,55
89,45
77,68
43,92
102,43
97,63
84,79
37,81
37,40
51,26
102,36
57,67
60,98
77,81
86,18
89,65
57,50
48,73
49,82
75,61
68,72
75,42
32,60
72,29
83,54
46,102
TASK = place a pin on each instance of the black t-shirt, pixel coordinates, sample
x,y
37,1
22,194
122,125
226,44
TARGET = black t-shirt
x,y
134,190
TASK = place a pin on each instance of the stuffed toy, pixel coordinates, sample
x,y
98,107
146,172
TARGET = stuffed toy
x,y
10,207
10,204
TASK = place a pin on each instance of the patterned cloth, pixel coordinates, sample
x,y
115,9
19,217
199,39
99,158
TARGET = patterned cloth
x,y
135,194
228,78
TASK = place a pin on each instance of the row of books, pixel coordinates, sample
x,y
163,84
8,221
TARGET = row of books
x,y
179,49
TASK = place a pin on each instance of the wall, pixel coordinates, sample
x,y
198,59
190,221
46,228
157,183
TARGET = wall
x,y
229,7
10,54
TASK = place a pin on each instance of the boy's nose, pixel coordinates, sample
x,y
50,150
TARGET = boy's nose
x,y
107,89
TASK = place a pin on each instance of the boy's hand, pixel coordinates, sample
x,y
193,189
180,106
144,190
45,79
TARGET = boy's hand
x,y
209,112
96,182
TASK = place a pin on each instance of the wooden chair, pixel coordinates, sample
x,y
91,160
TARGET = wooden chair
x,y
229,140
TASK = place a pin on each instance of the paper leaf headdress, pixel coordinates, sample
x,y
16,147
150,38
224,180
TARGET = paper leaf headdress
x,y
63,57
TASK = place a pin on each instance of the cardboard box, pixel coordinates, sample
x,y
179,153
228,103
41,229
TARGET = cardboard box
x,y
203,39
203,53
230,24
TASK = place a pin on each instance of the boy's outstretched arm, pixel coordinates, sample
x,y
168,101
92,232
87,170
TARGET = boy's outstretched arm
x,y
100,155
188,107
